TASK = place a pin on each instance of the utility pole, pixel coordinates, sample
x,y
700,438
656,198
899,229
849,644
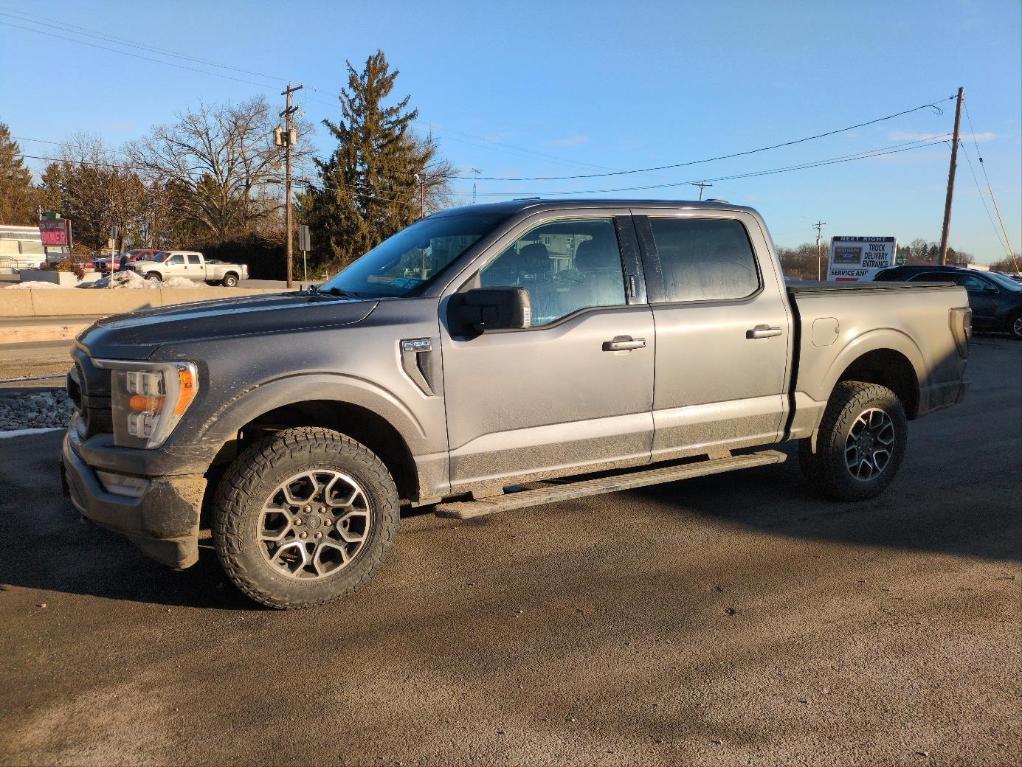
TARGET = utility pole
x,y
702,185
476,172
287,139
819,253
946,229
420,179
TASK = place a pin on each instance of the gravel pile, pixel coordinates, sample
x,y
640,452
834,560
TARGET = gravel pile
x,y
39,410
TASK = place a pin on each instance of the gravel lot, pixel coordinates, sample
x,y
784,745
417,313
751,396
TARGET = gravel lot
x,y
725,620
35,410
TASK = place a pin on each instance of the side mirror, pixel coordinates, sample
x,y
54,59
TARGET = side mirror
x,y
482,309
989,289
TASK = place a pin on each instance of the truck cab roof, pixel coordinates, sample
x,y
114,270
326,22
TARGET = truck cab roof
x,y
540,204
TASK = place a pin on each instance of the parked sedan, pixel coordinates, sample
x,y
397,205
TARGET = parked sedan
x,y
995,299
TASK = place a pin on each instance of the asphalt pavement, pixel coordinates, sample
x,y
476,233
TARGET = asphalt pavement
x,y
733,619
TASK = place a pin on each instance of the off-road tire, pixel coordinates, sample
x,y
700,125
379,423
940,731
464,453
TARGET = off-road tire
x,y
826,468
250,480
154,276
230,281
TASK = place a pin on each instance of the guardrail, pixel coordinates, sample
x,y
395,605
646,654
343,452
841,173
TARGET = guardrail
x,y
64,302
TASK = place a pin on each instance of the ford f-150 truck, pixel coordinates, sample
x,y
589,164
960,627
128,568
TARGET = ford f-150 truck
x,y
191,265
489,358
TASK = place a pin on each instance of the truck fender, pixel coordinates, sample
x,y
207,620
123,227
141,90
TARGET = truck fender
x,y
876,340
248,404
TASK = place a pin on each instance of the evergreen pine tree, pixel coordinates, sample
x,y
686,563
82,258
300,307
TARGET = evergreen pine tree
x,y
17,195
367,186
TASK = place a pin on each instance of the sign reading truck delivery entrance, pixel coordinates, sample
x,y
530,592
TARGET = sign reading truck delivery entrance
x,y
857,259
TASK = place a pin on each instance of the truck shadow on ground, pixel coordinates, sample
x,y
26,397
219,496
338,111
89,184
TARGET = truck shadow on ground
x,y
979,518
48,548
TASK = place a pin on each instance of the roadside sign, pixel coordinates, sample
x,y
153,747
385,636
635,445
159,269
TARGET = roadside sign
x,y
304,242
55,232
859,258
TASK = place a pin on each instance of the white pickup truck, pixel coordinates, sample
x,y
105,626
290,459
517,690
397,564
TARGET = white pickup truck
x,y
192,265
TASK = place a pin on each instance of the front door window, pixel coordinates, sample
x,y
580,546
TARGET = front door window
x,y
566,266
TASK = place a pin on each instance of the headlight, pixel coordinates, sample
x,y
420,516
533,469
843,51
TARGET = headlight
x,y
148,399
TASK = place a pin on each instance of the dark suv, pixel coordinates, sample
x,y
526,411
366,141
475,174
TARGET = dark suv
x,y
995,299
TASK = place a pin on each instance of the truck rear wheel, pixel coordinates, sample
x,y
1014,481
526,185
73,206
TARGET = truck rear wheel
x,y
230,280
860,444
304,517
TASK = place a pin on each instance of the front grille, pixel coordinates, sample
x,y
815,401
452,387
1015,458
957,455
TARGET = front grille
x,y
89,388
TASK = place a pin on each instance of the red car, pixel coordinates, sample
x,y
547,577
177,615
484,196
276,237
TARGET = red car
x,y
122,260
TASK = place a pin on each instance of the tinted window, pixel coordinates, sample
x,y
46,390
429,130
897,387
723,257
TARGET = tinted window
x,y
888,275
934,277
565,266
193,259
705,259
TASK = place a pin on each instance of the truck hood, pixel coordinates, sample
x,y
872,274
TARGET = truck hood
x,y
138,335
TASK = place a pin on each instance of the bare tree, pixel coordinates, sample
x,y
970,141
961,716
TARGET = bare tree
x,y
223,165
97,190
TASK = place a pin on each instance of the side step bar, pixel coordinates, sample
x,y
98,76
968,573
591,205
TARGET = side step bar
x,y
551,493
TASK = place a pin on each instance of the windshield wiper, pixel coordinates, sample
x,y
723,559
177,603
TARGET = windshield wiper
x,y
339,292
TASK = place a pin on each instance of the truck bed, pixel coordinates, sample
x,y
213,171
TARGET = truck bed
x,y
835,323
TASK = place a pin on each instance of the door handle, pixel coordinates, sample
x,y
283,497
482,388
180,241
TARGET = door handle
x,y
623,344
762,331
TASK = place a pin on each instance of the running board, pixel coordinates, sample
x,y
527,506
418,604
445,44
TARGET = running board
x,y
581,488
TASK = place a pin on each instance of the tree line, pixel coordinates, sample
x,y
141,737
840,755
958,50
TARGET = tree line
x,y
213,180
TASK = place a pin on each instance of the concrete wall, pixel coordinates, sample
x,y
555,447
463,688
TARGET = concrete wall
x,y
97,302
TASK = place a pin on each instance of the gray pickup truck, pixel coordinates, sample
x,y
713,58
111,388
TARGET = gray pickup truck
x,y
490,358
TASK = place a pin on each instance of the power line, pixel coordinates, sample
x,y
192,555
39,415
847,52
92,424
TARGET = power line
x,y
324,96
983,199
730,156
866,154
483,143
105,37
37,140
133,55
990,189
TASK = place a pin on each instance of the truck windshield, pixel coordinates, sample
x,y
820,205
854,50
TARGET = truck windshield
x,y
161,256
404,264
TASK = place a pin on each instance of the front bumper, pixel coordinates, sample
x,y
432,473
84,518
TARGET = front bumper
x,y
163,522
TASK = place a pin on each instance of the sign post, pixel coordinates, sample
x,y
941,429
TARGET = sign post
x,y
304,245
859,258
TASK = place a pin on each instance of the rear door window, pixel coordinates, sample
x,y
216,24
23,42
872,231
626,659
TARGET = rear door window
x,y
193,259
709,259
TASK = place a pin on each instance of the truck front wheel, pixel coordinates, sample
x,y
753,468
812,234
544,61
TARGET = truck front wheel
x,y
156,276
860,444
304,517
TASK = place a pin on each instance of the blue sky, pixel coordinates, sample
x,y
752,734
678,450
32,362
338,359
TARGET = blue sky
x,y
563,88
